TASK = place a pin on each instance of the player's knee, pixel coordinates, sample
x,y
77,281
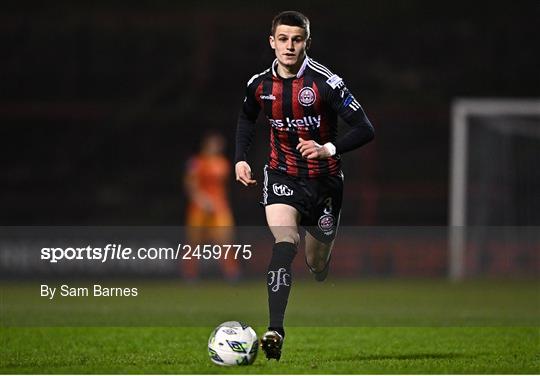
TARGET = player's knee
x,y
289,237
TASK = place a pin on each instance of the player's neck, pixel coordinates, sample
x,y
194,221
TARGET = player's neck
x,y
289,71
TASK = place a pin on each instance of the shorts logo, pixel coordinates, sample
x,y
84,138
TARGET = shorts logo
x,y
282,190
306,96
326,224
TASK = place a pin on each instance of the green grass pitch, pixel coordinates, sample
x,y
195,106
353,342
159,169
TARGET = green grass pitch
x,y
387,326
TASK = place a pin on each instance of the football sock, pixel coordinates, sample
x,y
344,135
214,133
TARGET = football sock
x,y
279,281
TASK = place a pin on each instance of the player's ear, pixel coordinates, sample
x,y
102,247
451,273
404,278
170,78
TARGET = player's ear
x,y
308,43
272,42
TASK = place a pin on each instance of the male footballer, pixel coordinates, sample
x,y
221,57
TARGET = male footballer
x,y
303,182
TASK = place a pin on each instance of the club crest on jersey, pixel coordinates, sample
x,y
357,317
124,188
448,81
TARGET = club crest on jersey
x,y
282,190
306,96
326,223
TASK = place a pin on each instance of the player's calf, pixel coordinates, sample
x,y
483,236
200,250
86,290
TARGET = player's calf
x,y
318,256
322,273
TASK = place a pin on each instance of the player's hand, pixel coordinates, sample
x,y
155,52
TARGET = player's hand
x,y
312,150
243,174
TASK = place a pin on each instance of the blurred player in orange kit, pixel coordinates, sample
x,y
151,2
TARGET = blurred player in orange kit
x,y
209,217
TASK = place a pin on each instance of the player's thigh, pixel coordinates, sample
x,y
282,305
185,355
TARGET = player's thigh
x,y
283,221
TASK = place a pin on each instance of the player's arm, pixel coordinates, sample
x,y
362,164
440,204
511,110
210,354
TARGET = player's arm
x,y
245,131
347,107
343,102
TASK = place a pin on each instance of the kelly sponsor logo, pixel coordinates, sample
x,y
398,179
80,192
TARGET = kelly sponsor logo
x,y
305,122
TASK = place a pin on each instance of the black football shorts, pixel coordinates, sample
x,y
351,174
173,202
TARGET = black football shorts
x,y
317,199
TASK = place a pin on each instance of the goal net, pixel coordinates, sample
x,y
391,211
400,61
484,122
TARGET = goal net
x,y
494,187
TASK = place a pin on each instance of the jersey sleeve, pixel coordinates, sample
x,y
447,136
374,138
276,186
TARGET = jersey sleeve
x,y
343,102
245,129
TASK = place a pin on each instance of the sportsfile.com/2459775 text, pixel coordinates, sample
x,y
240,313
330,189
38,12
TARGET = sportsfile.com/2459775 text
x,y
118,252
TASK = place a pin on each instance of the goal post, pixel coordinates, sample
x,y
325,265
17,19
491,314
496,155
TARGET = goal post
x,y
505,116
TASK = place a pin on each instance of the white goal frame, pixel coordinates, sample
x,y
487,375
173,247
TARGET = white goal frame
x,y
461,110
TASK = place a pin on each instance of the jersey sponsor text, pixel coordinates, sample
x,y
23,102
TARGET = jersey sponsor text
x,y
311,122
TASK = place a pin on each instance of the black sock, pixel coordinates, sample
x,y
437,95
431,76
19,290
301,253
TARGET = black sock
x,y
279,281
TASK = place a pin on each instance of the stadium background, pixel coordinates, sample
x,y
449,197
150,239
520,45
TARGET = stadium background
x,y
102,104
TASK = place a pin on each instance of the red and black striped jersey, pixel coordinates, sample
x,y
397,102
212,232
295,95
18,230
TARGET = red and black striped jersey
x,y
306,106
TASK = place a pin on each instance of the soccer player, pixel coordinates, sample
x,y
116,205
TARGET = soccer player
x,y
303,182
209,217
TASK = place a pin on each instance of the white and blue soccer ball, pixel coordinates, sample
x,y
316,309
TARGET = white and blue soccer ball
x,y
233,343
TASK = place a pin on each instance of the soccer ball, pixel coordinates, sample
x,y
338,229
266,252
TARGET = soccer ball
x,y
233,344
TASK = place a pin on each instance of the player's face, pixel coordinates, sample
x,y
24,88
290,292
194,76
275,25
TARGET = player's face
x,y
290,45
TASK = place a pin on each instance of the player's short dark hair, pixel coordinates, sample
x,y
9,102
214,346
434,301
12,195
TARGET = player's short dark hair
x,y
291,18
